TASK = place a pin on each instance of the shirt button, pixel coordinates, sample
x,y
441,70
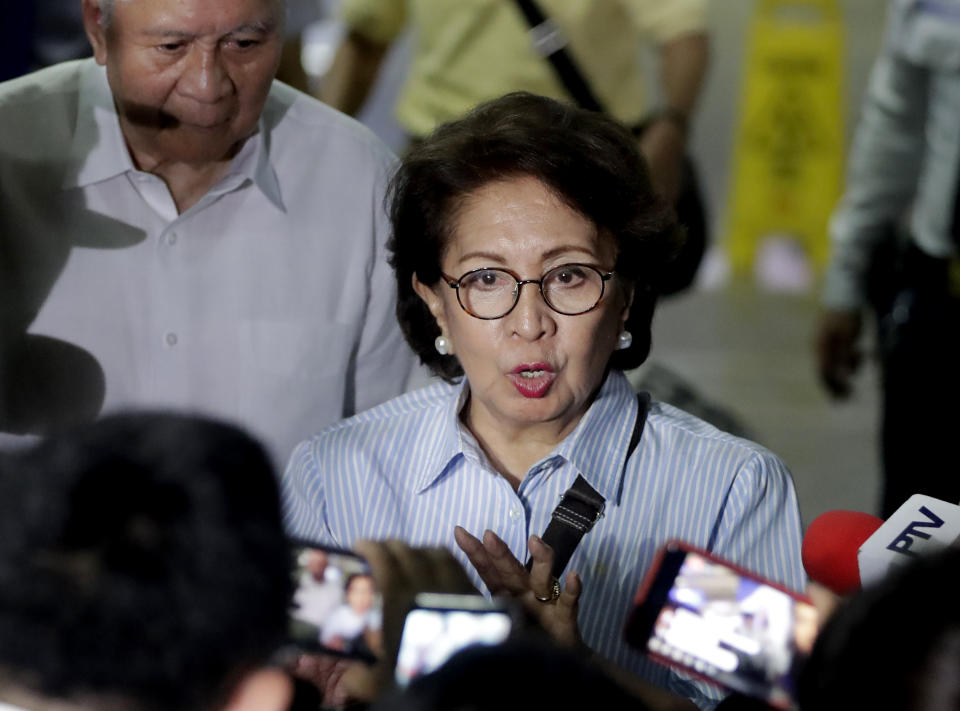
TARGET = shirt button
x,y
172,238
171,339
514,514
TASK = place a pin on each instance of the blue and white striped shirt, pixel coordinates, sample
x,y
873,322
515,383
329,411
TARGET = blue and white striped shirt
x,y
409,469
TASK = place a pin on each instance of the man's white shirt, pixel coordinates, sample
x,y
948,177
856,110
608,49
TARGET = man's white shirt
x,y
269,303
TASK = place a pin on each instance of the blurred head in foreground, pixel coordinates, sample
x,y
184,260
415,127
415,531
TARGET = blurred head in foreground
x,y
143,566
520,674
893,646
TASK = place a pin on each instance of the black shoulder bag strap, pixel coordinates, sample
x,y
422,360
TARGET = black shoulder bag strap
x,y
549,42
581,506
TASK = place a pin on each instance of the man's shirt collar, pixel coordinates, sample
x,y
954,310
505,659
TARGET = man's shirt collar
x,y
596,449
99,151
252,163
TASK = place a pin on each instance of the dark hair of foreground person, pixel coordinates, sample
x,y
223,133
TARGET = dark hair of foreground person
x,y
143,564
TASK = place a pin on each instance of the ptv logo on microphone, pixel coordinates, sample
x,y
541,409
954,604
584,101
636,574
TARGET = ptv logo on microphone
x,y
903,542
919,527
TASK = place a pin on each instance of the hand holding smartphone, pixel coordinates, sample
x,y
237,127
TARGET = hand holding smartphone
x,y
722,623
336,608
440,625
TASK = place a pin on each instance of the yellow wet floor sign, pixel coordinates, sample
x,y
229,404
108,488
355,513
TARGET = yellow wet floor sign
x,y
788,153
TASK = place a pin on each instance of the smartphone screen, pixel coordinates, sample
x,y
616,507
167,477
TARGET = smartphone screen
x,y
336,607
724,624
439,626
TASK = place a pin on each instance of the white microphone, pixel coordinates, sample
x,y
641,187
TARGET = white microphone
x,y
919,527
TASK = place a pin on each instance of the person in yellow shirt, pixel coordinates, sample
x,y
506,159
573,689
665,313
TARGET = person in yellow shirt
x,y
469,51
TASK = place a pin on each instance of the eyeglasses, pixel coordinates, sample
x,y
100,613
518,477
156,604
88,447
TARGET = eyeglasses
x,y
492,293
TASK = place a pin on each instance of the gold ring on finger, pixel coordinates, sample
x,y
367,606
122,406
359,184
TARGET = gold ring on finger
x,y
554,591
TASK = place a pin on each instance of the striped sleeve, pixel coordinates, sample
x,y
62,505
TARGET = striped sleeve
x,y
304,512
760,527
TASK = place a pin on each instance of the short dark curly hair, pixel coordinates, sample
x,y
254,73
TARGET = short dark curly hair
x,y
142,559
590,161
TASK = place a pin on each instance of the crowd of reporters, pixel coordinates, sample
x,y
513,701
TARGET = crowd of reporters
x,y
144,567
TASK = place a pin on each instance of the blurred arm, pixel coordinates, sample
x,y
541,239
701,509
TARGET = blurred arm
x,y
884,166
353,73
683,65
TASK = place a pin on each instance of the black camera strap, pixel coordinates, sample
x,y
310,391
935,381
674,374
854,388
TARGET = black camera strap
x,y
581,506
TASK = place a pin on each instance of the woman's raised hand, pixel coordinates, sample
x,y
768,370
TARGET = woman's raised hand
x,y
555,608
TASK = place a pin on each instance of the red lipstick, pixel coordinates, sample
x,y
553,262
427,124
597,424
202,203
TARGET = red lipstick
x,y
532,380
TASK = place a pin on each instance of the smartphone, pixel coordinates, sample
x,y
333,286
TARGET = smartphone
x,y
336,607
722,623
441,625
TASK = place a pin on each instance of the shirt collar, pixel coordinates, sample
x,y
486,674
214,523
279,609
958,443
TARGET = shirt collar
x,y
446,437
597,448
253,163
99,151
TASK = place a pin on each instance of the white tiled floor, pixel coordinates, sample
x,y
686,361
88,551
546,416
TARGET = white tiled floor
x,y
752,351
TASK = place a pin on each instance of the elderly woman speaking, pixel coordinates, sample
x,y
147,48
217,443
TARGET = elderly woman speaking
x,y
527,244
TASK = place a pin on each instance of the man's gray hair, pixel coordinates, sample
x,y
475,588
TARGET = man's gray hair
x,y
106,10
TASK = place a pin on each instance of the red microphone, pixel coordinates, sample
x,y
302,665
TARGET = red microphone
x,y
831,545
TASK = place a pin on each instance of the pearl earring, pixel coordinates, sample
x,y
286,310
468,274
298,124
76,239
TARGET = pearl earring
x,y
442,344
624,340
